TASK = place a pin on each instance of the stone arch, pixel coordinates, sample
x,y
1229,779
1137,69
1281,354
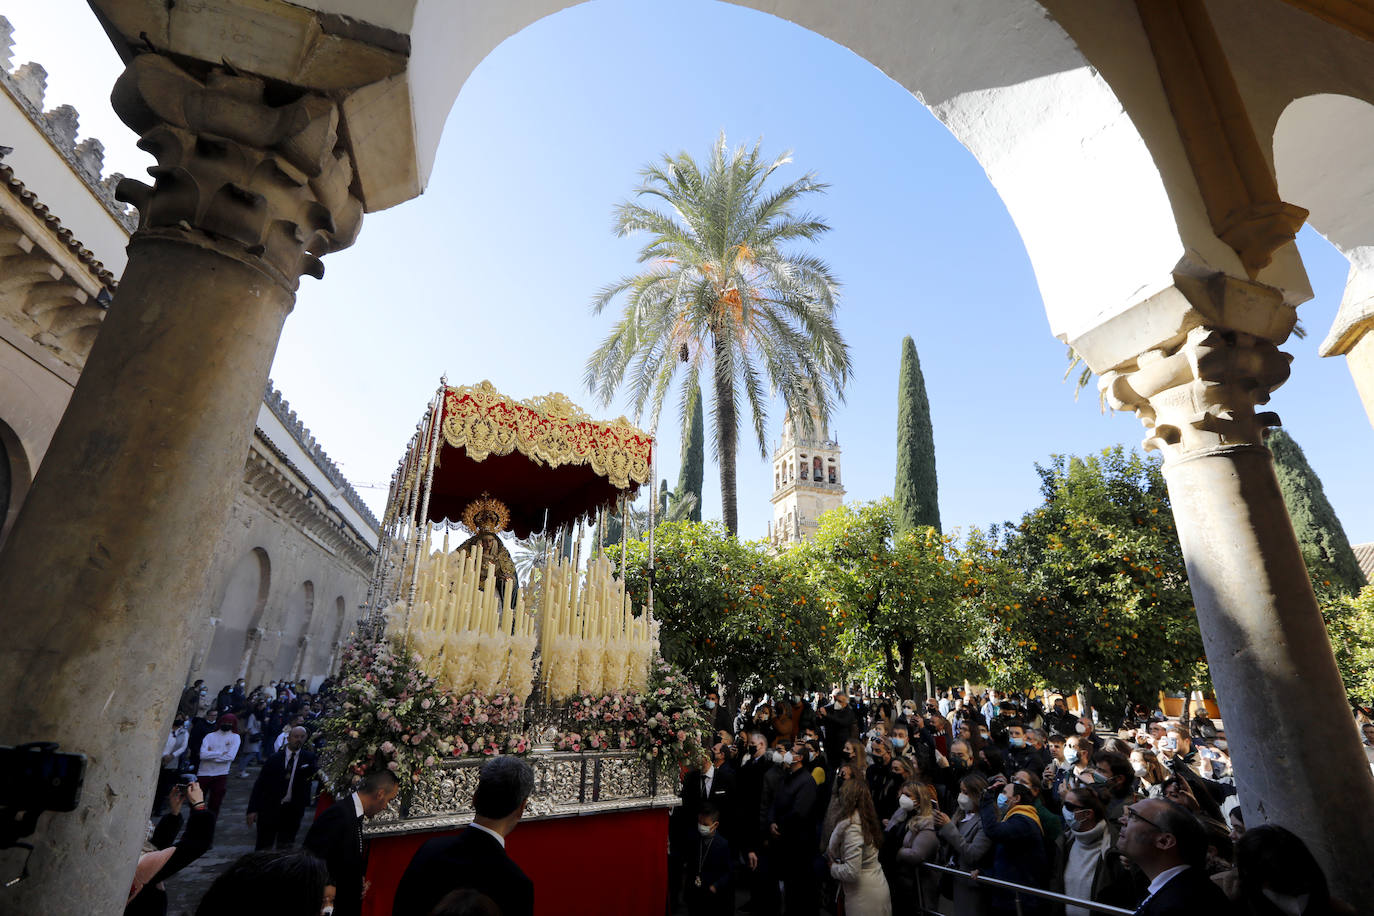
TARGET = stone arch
x,y
237,621
1068,121
1321,162
295,628
16,474
335,645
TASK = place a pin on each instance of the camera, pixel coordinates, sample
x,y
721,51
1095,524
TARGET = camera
x,y
39,777
35,778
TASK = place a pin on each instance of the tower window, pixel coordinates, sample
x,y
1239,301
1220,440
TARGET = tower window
x,y
832,474
817,464
803,469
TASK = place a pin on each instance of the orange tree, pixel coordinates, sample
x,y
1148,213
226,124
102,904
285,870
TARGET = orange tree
x,y
1091,588
896,600
731,612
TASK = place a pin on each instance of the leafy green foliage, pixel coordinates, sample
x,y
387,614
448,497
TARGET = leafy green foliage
x,y
897,600
1350,624
917,490
731,610
1325,548
722,295
693,471
1090,588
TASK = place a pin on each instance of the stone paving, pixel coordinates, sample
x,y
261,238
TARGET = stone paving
x,y
233,837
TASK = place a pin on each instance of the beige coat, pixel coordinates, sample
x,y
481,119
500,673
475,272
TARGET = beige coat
x,y
854,864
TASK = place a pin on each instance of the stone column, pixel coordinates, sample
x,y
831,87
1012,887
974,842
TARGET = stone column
x,y
108,554
1296,753
250,650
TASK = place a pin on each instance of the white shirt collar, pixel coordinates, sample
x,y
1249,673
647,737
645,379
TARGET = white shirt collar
x,y
1164,878
710,772
487,830
357,805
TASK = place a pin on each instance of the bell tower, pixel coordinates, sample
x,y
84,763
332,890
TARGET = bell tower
x,y
806,481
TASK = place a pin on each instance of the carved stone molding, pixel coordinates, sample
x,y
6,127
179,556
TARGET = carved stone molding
x,y
1233,176
1199,396
263,182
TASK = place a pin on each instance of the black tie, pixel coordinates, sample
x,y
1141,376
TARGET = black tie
x,y
290,777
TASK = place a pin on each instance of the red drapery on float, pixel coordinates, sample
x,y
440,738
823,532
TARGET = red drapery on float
x,y
544,457
609,864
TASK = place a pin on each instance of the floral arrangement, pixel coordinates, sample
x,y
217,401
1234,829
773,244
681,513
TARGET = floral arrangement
x,y
387,711
665,724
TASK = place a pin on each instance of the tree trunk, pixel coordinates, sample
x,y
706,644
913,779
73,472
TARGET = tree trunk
x,y
1187,704
727,434
902,683
930,680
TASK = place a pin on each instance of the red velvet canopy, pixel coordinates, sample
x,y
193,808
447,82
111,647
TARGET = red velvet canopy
x,y
546,459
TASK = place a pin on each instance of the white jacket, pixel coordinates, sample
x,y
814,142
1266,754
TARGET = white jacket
x,y
217,750
174,747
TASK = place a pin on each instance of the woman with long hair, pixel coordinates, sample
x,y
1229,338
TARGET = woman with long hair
x,y
1149,771
966,847
919,845
852,853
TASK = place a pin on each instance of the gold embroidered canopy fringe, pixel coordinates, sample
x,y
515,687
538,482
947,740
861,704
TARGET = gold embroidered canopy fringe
x,y
544,458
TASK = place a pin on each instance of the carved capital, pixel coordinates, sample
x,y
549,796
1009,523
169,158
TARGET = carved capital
x,y
262,180
1199,396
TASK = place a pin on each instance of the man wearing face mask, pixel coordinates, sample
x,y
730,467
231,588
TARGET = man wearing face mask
x,y
751,799
1085,729
721,719
1018,754
1018,844
1059,720
1119,789
1077,770
792,832
710,873
217,752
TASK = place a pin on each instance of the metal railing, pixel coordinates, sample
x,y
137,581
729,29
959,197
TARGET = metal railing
x,y
1016,889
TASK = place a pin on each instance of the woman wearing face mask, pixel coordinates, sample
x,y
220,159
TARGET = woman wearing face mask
x,y
918,843
763,722
1092,868
1149,771
966,847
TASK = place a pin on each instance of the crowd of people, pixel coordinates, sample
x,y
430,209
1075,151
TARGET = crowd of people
x,y
803,804
211,738
839,803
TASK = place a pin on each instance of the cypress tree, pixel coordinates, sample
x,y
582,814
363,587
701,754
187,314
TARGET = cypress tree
x,y
1325,548
693,470
917,492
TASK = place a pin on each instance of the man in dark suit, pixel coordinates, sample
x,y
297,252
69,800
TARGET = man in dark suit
x,y
281,792
337,837
476,857
1170,847
705,784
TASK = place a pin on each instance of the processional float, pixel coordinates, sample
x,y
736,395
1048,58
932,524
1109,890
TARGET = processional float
x,y
494,466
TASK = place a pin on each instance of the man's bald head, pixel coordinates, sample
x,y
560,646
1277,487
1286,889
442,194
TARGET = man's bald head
x,y
295,738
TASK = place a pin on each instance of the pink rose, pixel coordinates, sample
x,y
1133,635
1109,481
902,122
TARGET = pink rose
x,y
388,748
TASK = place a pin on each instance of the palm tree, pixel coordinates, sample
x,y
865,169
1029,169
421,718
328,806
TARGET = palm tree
x,y
719,295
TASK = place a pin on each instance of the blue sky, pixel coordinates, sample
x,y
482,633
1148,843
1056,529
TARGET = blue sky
x,y
488,275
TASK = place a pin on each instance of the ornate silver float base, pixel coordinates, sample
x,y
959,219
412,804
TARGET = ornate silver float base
x,y
565,785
